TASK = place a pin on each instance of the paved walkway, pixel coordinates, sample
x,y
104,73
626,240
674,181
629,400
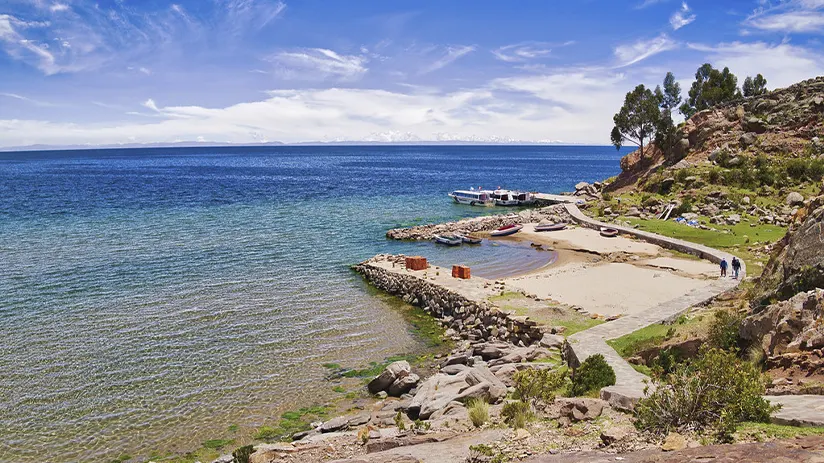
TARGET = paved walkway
x,y
629,386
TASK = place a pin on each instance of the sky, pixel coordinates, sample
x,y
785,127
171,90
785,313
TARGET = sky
x,y
85,72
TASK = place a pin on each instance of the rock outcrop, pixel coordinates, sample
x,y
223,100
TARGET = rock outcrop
x,y
396,379
440,390
789,326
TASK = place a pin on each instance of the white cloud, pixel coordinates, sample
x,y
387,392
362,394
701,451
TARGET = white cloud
x,y
682,17
643,49
647,3
319,64
523,51
151,105
794,16
26,99
452,54
782,64
58,7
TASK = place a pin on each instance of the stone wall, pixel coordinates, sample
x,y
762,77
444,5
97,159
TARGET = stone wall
x,y
470,319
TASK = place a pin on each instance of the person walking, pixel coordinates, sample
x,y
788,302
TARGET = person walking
x,y
736,267
724,267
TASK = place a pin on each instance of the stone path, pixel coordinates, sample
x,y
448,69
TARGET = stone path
x,y
629,386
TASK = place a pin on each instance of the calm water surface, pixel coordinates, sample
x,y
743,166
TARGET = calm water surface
x,y
150,298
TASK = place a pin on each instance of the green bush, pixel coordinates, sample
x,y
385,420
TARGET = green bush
x,y
242,454
723,331
797,168
478,411
714,176
537,385
711,394
592,375
666,361
516,414
606,196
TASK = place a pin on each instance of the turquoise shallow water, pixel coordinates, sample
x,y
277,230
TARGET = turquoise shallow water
x,y
152,298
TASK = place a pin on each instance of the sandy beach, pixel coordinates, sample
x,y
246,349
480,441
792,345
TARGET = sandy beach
x,y
610,276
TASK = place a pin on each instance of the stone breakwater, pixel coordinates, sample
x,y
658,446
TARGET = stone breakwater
x,y
471,318
556,213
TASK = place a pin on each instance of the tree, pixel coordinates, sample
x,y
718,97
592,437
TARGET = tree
x,y
711,87
756,86
637,118
669,99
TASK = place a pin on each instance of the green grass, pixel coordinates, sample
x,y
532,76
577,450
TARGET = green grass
x,y
643,369
628,345
339,389
572,322
766,431
292,422
217,444
737,236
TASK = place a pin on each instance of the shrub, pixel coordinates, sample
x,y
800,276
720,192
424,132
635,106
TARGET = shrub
x,y
797,169
666,361
478,411
242,454
714,176
606,196
537,385
713,393
399,421
592,375
723,331
517,414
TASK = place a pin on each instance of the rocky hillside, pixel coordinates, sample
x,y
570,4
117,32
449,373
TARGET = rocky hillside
x,y
782,125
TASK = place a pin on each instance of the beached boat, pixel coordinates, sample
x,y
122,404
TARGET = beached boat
x,y
504,198
449,240
609,232
472,197
469,239
550,227
507,230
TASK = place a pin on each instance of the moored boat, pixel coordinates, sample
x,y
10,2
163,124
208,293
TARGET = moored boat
x,y
507,230
524,198
504,198
472,197
469,239
550,227
609,232
449,240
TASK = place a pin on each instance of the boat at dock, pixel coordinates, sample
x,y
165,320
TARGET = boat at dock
x,y
472,197
448,240
609,232
504,198
507,230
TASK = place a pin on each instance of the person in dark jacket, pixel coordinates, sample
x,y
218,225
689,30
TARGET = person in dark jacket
x,y
724,267
736,267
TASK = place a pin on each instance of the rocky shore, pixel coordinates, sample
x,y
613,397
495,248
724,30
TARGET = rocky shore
x,y
549,214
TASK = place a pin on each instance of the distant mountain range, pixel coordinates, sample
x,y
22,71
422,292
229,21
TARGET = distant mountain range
x,y
205,144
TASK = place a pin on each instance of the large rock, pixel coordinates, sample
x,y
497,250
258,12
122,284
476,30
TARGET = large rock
x,y
552,341
388,376
441,389
572,410
795,199
788,326
753,124
403,385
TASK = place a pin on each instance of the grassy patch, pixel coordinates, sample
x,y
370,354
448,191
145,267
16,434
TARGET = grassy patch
x,y
518,304
768,431
217,444
628,345
643,369
738,235
292,422
339,389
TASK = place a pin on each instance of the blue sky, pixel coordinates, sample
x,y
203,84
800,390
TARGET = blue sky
x,y
246,71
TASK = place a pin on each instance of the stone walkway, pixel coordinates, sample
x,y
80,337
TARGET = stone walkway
x,y
629,386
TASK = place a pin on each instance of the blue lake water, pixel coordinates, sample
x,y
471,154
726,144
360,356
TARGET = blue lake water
x,y
150,298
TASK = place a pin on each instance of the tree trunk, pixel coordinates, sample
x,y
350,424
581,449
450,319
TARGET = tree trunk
x,y
642,149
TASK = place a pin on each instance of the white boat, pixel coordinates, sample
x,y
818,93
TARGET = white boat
x,y
524,198
449,240
504,198
472,197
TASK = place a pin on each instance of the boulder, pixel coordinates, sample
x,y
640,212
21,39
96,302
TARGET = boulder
x,y
224,459
403,385
581,186
754,124
613,434
633,212
335,424
552,341
747,139
667,183
572,410
438,391
674,441
393,372
794,199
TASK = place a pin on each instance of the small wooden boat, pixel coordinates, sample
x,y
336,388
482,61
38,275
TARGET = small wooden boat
x,y
609,232
550,227
469,239
449,240
507,230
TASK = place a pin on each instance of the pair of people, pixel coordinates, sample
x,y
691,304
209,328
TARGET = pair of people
x,y
736,267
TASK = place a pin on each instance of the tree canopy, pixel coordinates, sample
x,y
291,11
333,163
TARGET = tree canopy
x,y
671,95
637,118
754,86
668,99
711,87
